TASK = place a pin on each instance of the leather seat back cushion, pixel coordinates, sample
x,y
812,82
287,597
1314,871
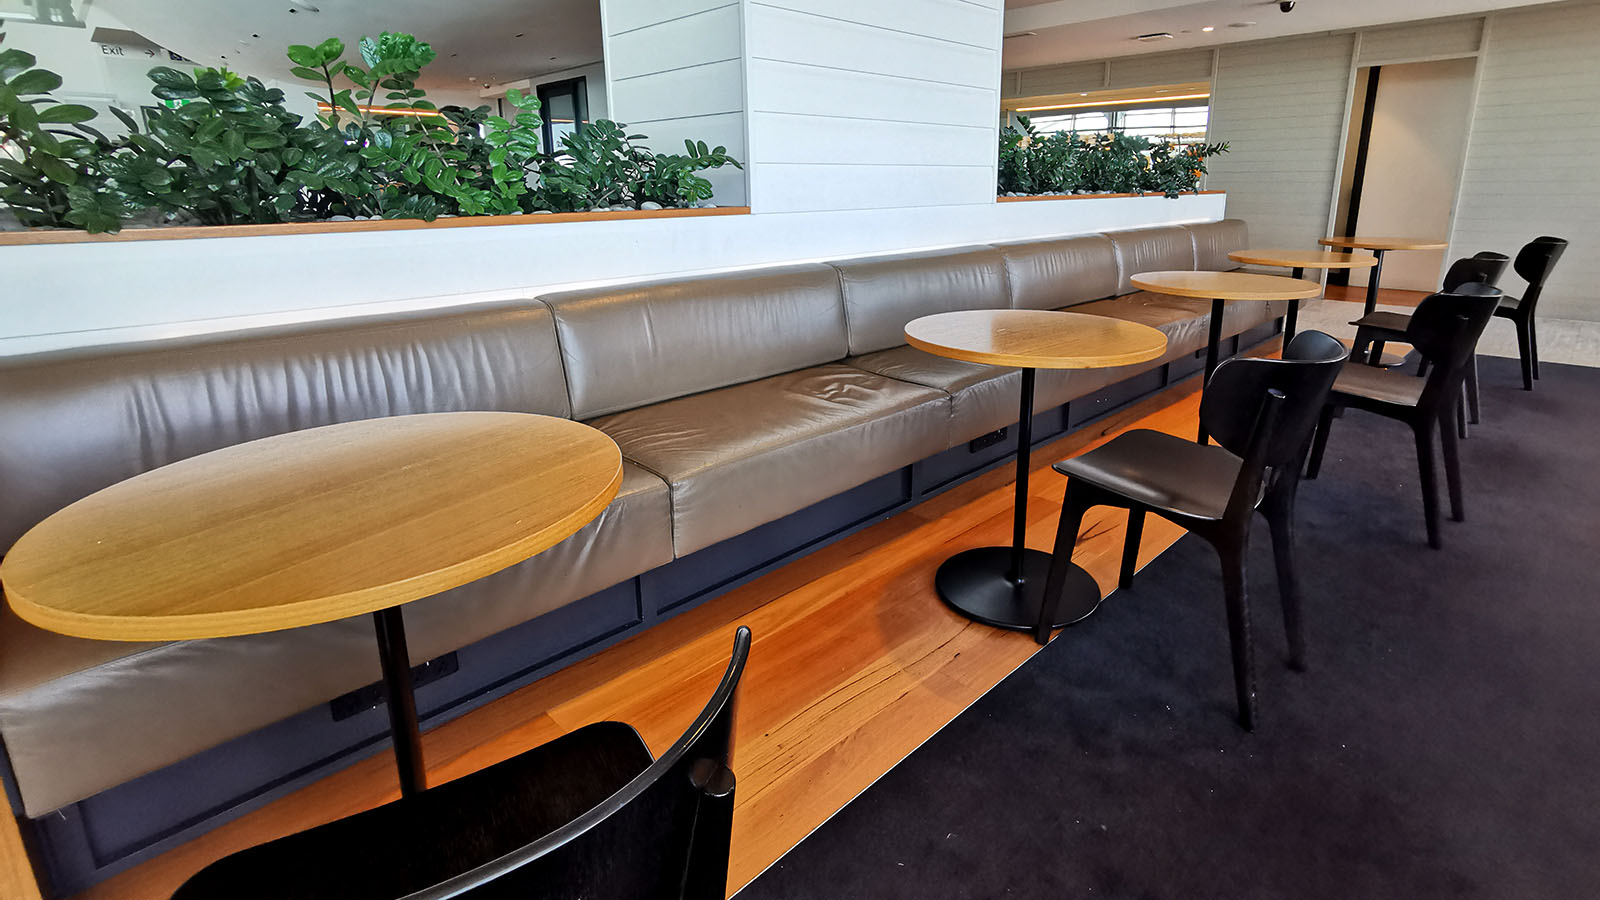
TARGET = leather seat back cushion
x,y
1213,241
881,295
1162,249
72,423
1058,273
633,345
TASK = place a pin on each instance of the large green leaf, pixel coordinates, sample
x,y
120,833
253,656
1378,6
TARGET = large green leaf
x,y
13,61
66,114
35,81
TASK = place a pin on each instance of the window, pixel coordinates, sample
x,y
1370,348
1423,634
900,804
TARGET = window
x,y
1184,124
565,107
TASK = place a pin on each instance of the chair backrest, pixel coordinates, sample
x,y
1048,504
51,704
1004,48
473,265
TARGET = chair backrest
x,y
672,823
1481,268
662,832
1445,330
1535,261
1304,376
1263,410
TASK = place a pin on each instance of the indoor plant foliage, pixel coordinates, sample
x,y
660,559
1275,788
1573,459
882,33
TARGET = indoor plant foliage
x,y
226,151
1066,163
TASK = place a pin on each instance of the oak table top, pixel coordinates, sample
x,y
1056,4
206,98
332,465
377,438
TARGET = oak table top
x,y
1303,259
1036,339
1227,285
311,526
1363,242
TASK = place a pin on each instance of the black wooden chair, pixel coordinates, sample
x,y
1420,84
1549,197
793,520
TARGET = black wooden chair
x,y
1486,267
1261,412
1445,330
589,815
1534,263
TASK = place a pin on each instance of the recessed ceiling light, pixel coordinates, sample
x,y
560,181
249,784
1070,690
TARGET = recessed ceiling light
x,y
1209,28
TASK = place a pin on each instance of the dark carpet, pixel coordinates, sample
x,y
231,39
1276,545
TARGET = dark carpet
x,y
1445,741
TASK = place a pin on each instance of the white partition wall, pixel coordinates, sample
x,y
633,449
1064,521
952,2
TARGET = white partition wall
x,y
675,71
872,105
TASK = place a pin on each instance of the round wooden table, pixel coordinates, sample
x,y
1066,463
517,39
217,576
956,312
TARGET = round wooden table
x,y
1299,261
1004,586
1219,288
1379,246
313,526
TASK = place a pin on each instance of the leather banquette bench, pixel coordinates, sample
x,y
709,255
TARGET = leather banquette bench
x,y
740,401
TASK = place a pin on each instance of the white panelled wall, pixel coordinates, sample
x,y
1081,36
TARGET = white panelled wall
x,y
675,71
872,105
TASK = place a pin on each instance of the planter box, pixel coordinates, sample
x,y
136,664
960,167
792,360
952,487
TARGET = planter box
x,y
68,289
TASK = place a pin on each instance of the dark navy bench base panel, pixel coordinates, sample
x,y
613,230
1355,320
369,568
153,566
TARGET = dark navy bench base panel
x,y
87,842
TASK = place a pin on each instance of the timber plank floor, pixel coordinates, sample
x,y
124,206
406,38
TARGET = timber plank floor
x,y
855,663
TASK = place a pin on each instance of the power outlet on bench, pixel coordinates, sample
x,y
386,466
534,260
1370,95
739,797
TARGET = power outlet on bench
x,y
979,444
376,694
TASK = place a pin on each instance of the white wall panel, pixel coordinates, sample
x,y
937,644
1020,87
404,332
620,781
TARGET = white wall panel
x,y
868,106
1161,68
694,40
675,71
1423,40
810,90
783,34
631,15
814,139
703,90
1281,106
1529,168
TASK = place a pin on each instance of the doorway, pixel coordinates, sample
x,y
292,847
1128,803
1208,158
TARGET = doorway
x,y
1407,142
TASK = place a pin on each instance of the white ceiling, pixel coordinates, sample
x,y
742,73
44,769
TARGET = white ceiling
x,y
1075,30
489,40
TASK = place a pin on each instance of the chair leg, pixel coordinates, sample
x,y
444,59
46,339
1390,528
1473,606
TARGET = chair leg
x,y
1072,510
1533,345
1430,484
1452,469
1422,367
1320,443
1244,670
1525,350
1130,547
1375,355
1474,399
1280,516
1459,420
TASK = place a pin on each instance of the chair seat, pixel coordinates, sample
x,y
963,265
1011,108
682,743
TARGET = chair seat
x,y
1391,386
1392,322
1508,306
1160,472
415,843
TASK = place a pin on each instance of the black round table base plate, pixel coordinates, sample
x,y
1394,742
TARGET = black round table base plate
x,y
975,584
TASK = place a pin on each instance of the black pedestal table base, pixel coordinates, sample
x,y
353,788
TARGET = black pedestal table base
x,y
979,584
1004,586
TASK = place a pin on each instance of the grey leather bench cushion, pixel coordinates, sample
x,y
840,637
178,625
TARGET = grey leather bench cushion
x,y
742,456
1213,241
1059,273
982,398
73,423
1162,249
881,295
634,345
82,716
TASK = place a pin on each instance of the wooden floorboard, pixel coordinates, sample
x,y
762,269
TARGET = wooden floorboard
x,y
855,663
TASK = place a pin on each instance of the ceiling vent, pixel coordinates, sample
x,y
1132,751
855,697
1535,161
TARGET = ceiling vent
x,y
1155,36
